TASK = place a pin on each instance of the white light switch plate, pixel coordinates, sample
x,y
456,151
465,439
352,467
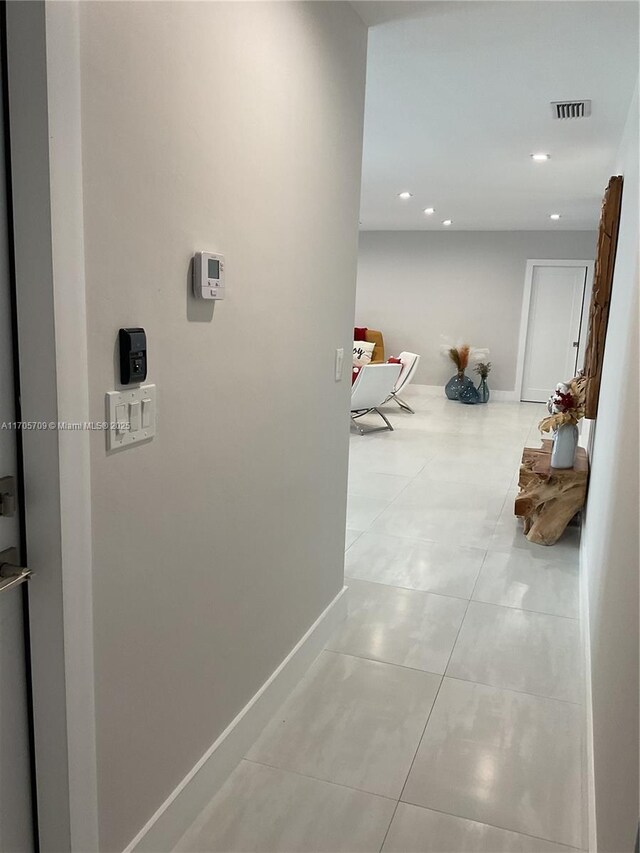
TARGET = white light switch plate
x,y
131,416
339,363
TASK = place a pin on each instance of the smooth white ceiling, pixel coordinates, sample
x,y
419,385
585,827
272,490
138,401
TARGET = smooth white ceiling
x,y
458,97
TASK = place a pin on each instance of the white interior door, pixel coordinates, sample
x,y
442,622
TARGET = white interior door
x,y
553,329
16,830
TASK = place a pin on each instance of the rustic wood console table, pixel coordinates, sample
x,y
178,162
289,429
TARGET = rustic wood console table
x,y
549,497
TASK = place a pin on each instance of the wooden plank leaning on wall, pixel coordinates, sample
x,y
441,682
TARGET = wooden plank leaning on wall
x,y
601,294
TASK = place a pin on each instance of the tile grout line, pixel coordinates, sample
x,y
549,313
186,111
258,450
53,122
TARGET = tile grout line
x,y
522,692
439,687
517,692
451,595
393,500
406,486
519,609
384,662
384,840
464,615
421,540
441,681
413,760
494,826
359,532
454,677
319,779
462,597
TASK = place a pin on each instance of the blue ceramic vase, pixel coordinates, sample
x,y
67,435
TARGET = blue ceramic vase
x,y
483,391
469,395
455,385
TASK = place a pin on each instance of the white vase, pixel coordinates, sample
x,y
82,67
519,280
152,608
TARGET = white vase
x,y
565,441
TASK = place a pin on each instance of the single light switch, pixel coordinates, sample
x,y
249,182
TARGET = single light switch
x,y
339,363
122,418
147,412
134,416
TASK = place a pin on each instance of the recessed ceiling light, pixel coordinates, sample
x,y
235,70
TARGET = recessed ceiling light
x,y
405,195
540,158
447,221
555,216
429,210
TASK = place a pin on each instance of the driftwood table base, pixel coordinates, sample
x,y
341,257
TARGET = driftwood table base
x,y
549,497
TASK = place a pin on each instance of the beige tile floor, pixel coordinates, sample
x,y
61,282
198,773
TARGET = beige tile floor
x,y
446,714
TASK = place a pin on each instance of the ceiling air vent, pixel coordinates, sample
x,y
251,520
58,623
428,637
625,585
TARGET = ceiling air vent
x,y
571,109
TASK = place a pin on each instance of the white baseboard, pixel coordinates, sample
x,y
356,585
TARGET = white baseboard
x,y
414,390
163,831
438,391
590,843
504,396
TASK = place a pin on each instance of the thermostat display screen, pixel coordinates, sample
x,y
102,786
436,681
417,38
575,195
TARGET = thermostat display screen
x,y
213,268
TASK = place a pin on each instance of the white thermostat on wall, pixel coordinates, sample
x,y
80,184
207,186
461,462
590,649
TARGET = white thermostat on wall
x,y
208,276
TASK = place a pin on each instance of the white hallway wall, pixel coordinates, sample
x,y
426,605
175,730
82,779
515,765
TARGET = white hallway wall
x,y
610,539
417,286
217,544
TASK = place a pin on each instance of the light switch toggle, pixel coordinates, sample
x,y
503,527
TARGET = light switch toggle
x,y
134,416
147,412
122,418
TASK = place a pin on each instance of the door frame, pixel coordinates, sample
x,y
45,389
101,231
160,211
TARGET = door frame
x,y
43,49
526,308
18,539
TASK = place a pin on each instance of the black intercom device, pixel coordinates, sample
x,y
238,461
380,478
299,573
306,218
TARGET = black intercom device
x,y
133,355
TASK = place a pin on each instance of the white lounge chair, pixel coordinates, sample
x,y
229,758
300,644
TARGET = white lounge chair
x,y
373,386
410,361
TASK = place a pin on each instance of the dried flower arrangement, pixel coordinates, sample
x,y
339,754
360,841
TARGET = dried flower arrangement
x,y
483,369
566,404
462,354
